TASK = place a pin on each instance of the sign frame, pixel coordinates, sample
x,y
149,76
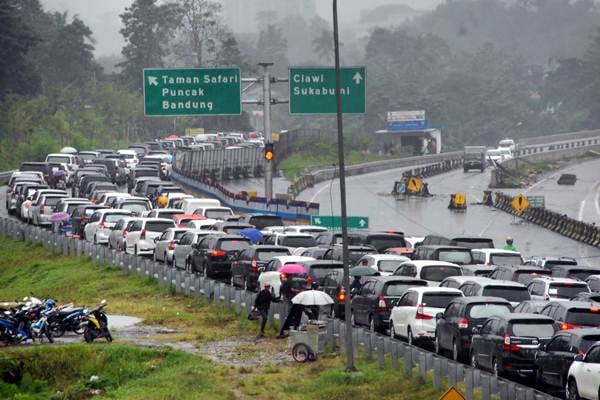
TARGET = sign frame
x,y
290,68
239,72
333,218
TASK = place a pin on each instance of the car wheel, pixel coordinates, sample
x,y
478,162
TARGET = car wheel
x,y
409,337
455,351
437,345
474,360
496,367
571,392
393,333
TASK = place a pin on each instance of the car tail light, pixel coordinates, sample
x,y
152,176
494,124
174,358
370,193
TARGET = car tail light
x,y
217,253
254,265
341,295
101,225
565,326
309,281
381,304
421,314
507,346
282,276
546,298
124,233
463,323
489,264
171,245
143,234
42,209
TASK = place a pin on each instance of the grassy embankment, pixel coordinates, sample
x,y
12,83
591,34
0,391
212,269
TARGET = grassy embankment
x,y
126,371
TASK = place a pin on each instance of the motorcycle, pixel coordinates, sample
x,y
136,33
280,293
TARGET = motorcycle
x,y
28,321
67,318
95,324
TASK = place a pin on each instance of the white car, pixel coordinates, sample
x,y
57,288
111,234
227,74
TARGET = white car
x,y
214,212
386,264
107,198
582,378
507,144
429,270
201,224
166,242
141,234
498,155
291,240
491,257
269,272
26,205
555,289
310,229
43,208
69,160
131,158
101,222
413,316
182,251
116,238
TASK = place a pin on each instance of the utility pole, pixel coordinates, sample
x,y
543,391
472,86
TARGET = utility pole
x,y
342,165
267,127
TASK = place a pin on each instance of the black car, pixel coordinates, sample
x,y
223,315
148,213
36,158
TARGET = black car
x,y
380,240
475,270
454,327
246,268
42,167
520,273
355,252
587,296
84,181
573,314
81,215
454,254
580,272
213,255
555,357
314,252
372,306
514,292
508,344
472,242
261,221
95,186
140,172
530,306
326,275
231,228
330,238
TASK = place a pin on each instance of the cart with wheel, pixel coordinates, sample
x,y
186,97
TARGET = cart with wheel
x,y
309,341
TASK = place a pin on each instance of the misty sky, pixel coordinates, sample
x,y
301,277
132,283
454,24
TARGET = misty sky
x,y
103,16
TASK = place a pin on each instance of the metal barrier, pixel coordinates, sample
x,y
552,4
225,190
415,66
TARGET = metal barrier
x,y
415,361
552,220
220,164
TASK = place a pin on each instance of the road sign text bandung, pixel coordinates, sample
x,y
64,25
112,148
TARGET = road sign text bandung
x,y
334,221
192,91
312,90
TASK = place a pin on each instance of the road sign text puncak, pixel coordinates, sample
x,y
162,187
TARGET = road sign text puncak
x,y
192,91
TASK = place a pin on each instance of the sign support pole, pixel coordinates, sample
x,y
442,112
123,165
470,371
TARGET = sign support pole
x,y
266,79
341,162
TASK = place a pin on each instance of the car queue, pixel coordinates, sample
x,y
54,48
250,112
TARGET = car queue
x,y
534,317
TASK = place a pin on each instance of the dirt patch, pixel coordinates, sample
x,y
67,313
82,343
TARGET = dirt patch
x,y
247,352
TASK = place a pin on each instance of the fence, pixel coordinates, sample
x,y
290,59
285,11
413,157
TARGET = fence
x,y
416,363
220,164
557,222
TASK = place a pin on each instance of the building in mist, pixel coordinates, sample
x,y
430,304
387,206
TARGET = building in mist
x,y
247,15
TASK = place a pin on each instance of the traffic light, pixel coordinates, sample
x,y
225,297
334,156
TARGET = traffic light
x,y
269,153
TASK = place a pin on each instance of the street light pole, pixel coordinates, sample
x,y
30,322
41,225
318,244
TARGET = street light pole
x,y
267,127
342,176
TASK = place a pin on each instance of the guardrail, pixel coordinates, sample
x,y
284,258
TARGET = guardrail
x,y
410,361
221,164
5,176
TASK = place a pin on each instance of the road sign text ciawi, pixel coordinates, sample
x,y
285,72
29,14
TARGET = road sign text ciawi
x,y
319,91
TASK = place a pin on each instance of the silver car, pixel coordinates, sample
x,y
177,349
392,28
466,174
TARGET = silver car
x,y
184,249
116,237
44,208
166,244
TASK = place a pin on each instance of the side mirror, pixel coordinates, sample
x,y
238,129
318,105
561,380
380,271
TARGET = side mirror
x,y
578,357
439,315
475,330
156,239
176,241
261,269
542,347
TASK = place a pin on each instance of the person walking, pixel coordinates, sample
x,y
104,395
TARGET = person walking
x,y
262,305
509,244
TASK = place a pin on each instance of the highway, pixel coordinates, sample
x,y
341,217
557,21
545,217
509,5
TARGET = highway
x,y
368,195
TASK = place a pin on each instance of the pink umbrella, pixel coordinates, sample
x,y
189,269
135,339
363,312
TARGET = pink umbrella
x,y
59,217
292,269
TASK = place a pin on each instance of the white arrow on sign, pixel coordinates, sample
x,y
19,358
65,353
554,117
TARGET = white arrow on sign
x,y
317,221
362,223
153,80
357,78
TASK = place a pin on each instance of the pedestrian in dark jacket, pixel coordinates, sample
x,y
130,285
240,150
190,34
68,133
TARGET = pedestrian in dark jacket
x,y
262,305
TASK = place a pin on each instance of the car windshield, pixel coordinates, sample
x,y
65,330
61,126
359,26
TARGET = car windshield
x,y
233,230
525,277
298,241
86,156
146,172
52,201
566,290
510,293
168,214
584,316
455,256
484,311
112,217
321,273
233,244
266,255
265,220
382,242
474,244
506,259
34,167
538,329
159,226
217,214
356,255
178,235
58,159
135,207
389,265
71,207
582,274
438,273
398,288
587,341
438,300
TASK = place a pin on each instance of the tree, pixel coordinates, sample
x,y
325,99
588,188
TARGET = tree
x,y
323,45
17,74
272,47
148,27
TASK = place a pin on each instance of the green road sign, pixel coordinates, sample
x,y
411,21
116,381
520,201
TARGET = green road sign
x,y
312,90
335,221
192,91
536,201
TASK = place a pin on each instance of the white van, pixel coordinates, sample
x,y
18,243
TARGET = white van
x,y
63,158
190,205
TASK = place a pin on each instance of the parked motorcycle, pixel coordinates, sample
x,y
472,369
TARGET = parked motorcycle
x,y
67,318
95,324
27,321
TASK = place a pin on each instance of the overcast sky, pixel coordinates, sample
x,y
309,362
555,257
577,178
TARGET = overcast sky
x,y
103,16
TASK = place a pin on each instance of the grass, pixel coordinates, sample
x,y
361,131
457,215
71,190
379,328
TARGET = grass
x,y
296,164
129,372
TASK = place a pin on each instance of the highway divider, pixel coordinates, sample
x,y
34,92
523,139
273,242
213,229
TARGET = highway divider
x,y
411,361
584,232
